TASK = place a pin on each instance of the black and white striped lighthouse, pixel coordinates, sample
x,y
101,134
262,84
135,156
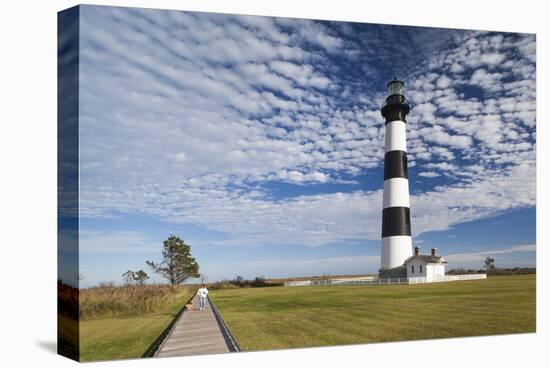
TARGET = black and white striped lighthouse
x,y
396,220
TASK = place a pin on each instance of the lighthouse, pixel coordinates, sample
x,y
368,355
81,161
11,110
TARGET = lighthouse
x,y
396,220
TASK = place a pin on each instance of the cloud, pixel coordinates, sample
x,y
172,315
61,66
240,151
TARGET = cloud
x,y
438,135
192,123
492,58
294,267
251,218
456,68
116,242
444,82
486,80
299,177
479,256
429,174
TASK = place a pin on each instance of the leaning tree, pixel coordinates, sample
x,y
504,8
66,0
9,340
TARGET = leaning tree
x,y
177,265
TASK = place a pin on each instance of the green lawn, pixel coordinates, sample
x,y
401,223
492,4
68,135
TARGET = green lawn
x,y
125,337
290,317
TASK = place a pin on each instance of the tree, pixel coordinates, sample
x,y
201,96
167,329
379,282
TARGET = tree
x,y
135,277
140,277
128,277
489,263
238,280
177,265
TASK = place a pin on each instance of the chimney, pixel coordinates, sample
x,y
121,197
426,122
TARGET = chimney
x,y
417,251
434,250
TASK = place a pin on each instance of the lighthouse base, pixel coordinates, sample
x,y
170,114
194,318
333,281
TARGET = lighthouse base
x,y
397,272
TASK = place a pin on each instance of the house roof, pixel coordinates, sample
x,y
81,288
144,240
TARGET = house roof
x,y
428,259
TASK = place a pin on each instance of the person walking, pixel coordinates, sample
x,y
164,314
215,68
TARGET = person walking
x,y
202,292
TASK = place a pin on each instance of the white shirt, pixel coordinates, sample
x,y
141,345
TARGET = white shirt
x,y
203,292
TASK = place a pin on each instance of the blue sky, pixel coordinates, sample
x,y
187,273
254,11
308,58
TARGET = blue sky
x,y
260,142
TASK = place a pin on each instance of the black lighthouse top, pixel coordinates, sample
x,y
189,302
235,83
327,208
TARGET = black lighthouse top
x,y
395,107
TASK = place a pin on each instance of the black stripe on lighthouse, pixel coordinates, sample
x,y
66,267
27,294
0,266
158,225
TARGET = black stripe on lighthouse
x,y
396,221
395,164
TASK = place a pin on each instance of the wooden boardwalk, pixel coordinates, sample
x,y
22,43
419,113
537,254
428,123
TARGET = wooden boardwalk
x,y
196,332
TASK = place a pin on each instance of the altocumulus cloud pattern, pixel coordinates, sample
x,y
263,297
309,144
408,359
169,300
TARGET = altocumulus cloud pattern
x,y
268,130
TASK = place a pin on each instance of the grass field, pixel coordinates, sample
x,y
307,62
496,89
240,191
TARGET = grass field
x,y
291,317
114,330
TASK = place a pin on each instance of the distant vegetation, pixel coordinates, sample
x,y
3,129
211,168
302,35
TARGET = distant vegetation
x,y
261,281
490,268
511,271
462,271
494,271
320,277
240,282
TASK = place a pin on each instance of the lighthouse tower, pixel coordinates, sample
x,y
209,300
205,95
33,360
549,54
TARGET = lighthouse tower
x,y
396,220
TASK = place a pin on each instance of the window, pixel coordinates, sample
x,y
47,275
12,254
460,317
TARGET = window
x,y
412,269
420,268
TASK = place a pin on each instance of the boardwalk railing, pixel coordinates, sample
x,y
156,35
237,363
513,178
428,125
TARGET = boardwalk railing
x,y
383,281
155,346
230,340
198,331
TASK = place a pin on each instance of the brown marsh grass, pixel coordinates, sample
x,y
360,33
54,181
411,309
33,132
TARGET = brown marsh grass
x,y
114,301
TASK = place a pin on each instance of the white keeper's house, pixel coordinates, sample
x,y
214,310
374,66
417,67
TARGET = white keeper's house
x,y
430,267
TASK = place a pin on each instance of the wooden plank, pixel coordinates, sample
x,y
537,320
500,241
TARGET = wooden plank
x,y
196,332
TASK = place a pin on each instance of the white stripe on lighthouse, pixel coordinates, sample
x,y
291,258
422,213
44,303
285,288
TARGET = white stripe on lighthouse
x,y
396,192
394,250
396,136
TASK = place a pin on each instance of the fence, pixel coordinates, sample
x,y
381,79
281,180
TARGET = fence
x,y
447,278
385,281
